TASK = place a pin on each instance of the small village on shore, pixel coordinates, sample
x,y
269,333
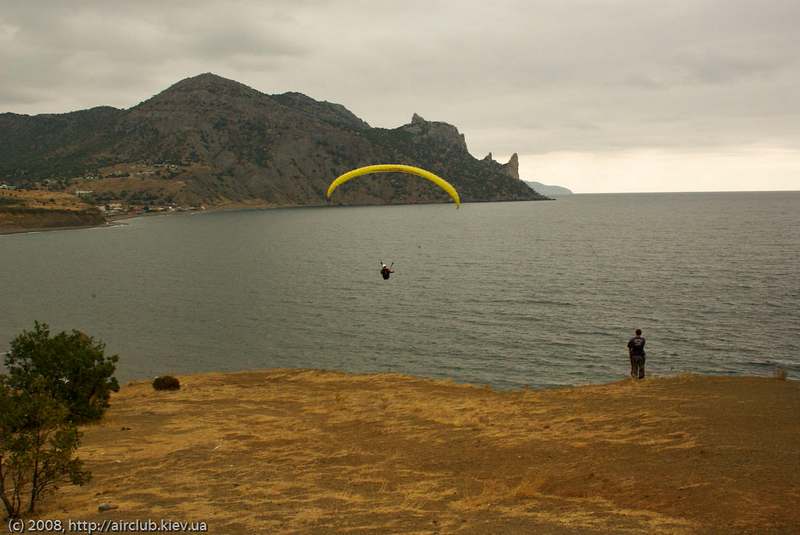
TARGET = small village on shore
x,y
115,192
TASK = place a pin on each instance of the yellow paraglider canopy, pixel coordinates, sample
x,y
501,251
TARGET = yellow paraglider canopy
x,y
395,168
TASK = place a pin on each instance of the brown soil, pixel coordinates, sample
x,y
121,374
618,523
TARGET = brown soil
x,y
296,451
27,210
51,200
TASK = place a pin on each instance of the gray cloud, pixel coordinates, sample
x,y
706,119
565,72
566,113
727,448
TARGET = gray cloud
x,y
521,76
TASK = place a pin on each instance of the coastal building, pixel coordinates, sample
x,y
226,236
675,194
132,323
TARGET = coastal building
x,y
114,208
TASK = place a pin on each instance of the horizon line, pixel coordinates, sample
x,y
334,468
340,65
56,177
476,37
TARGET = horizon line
x,y
693,191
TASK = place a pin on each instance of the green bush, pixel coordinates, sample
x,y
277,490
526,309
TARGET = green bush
x,y
71,367
37,443
167,382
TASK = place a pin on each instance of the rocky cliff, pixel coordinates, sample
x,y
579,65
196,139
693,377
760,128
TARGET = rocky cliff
x,y
549,190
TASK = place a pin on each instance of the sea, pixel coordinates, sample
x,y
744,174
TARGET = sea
x,y
513,294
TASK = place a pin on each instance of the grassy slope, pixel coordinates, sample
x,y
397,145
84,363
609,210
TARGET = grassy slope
x,y
310,451
25,210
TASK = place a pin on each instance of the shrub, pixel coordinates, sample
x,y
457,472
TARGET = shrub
x,y
71,367
166,382
37,443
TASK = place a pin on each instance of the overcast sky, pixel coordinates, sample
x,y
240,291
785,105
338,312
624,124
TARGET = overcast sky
x,y
598,96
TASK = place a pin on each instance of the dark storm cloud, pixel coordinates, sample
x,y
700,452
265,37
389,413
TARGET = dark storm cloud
x,y
514,76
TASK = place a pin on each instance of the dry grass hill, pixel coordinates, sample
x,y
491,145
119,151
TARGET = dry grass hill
x,y
299,451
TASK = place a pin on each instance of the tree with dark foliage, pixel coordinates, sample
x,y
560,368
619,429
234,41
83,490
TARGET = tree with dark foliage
x,y
71,367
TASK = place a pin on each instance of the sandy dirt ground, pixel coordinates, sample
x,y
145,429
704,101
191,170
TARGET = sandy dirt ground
x,y
303,451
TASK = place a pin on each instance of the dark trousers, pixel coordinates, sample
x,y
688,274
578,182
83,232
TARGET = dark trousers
x,y
637,366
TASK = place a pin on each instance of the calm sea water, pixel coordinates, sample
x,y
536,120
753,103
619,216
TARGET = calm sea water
x,y
511,294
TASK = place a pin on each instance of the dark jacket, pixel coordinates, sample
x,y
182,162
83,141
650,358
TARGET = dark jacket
x,y
636,346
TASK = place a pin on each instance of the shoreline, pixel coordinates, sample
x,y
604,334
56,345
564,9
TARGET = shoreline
x,y
298,450
110,221
232,207
270,206
36,230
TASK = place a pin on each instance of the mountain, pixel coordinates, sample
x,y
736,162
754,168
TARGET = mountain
x,y
207,139
551,191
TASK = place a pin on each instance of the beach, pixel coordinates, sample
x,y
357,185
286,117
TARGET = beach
x,y
296,451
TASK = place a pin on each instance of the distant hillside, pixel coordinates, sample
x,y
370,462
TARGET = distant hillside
x,y
550,191
27,210
211,140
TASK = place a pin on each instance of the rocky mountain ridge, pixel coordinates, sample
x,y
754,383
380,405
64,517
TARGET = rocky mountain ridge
x,y
211,140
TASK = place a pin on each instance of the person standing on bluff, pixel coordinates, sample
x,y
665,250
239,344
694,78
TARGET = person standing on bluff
x,y
636,352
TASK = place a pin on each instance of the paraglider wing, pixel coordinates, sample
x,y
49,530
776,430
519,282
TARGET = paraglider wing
x,y
395,168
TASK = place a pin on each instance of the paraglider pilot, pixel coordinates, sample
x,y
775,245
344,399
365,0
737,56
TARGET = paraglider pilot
x,y
386,271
